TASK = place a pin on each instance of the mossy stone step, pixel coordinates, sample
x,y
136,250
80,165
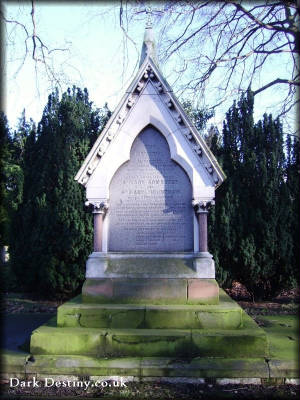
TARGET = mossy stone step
x,y
148,367
226,315
249,341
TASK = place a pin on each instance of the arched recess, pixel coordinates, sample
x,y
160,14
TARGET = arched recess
x,y
123,147
150,200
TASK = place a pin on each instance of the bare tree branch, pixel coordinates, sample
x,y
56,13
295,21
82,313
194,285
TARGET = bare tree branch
x,y
275,82
228,46
37,47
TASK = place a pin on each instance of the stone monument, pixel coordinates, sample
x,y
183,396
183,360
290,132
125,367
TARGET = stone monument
x,y
150,179
150,304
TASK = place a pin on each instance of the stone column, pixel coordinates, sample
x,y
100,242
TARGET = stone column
x,y
99,210
202,208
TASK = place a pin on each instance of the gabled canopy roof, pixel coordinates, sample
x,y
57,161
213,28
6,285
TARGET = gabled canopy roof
x,y
149,71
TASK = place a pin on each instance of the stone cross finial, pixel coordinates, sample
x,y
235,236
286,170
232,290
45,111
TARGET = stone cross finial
x,y
149,17
148,48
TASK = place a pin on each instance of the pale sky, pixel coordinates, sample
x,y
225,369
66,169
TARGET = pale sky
x,y
97,57
93,59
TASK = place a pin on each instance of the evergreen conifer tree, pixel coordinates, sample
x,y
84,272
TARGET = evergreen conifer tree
x,y
4,160
53,230
293,201
251,226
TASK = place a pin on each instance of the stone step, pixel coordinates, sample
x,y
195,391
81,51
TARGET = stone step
x,y
100,368
226,315
249,341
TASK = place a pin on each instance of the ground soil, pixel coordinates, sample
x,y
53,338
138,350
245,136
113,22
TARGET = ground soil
x,y
287,302
161,391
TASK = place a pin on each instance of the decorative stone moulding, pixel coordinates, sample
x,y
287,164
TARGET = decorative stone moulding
x,y
159,87
210,169
120,119
84,180
188,134
92,166
109,137
149,73
100,152
169,103
90,170
146,76
139,86
99,206
130,102
202,205
179,119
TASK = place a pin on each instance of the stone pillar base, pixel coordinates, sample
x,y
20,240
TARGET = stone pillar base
x,y
150,265
153,278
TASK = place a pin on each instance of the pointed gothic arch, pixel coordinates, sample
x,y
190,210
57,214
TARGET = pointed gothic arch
x,y
150,200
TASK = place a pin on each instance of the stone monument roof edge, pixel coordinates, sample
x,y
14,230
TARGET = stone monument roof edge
x,y
148,62
189,123
111,119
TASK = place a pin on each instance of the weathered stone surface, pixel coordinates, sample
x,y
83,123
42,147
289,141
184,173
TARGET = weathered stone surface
x,y
284,368
150,200
206,290
83,365
13,362
237,343
226,315
282,363
118,290
98,288
238,381
204,367
156,317
74,367
204,265
291,381
150,265
151,290
284,335
148,343
63,341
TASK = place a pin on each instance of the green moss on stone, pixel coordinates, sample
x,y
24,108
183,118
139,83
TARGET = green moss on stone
x,y
47,340
144,342
151,266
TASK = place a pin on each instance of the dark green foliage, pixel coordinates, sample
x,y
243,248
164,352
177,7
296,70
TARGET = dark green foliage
x,y
52,234
293,203
251,232
198,116
4,159
12,177
12,152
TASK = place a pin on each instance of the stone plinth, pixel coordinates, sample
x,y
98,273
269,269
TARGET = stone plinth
x,y
157,278
150,265
150,291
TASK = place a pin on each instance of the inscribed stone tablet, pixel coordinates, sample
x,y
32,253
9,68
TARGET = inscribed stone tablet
x,y
150,200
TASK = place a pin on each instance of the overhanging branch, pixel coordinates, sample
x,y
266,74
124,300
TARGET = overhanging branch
x,y
275,82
